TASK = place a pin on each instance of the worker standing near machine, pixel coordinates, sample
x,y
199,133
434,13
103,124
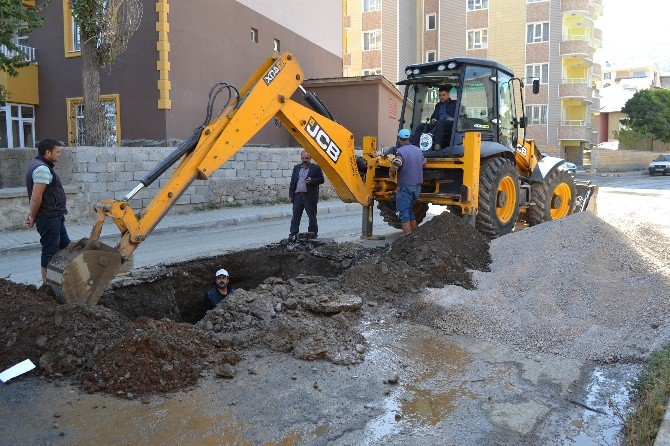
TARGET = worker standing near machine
x,y
304,194
407,167
47,202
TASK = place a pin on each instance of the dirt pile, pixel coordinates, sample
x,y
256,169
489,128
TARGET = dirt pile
x,y
442,251
575,287
61,339
100,349
310,317
154,357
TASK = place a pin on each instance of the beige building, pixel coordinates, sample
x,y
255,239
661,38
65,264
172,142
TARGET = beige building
x,y
550,40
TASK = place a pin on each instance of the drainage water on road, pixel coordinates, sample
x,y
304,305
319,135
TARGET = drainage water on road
x,y
607,395
424,397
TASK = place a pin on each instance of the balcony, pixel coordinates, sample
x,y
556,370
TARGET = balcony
x,y
597,38
575,7
574,131
577,47
597,71
576,88
27,50
595,104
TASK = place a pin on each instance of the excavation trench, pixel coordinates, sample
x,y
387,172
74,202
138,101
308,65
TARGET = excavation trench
x,y
151,335
176,291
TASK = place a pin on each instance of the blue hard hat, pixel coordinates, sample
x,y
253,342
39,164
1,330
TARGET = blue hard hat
x,y
403,133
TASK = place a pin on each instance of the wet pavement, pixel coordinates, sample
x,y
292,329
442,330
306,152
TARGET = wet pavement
x,y
449,390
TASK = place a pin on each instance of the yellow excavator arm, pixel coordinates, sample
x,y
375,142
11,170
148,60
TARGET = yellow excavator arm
x,y
81,273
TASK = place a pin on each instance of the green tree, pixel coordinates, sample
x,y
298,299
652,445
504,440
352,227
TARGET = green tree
x,y
106,26
649,114
15,19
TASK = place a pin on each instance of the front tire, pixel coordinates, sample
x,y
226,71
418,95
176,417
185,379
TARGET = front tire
x,y
554,198
499,196
390,214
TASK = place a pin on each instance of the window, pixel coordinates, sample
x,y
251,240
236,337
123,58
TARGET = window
x,y
430,22
537,32
475,5
607,76
372,40
537,71
71,32
536,114
430,56
277,45
75,124
372,71
76,36
254,35
639,74
371,5
17,126
478,39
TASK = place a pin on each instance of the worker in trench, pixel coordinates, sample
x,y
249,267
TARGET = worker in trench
x,y
219,291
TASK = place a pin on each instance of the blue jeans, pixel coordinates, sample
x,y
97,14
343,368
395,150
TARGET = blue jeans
x,y
53,237
405,200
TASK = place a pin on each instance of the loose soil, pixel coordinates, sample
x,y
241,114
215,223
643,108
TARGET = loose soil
x,y
304,298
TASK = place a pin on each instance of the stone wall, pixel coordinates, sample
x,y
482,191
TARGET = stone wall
x,y
255,175
605,160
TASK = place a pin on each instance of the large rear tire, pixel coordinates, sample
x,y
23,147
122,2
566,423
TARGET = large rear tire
x,y
499,196
554,198
390,214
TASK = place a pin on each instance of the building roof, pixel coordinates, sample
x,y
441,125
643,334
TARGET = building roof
x,y
333,81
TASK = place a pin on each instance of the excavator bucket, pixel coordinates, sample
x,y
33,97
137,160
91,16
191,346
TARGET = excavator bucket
x,y
81,272
586,197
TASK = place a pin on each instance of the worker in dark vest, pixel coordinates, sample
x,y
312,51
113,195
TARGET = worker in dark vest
x,y
47,201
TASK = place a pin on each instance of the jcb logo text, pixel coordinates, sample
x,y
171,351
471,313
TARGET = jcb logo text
x,y
323,140
273,72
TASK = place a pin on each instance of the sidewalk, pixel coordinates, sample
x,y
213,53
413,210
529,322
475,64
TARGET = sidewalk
x,y
28,239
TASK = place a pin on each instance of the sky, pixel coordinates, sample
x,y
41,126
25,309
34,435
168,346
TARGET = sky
x,y
635,32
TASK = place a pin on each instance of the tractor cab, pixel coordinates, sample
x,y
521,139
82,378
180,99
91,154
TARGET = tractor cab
x,y
483,96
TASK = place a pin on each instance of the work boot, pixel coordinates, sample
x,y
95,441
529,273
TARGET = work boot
x,y
292,237
311,235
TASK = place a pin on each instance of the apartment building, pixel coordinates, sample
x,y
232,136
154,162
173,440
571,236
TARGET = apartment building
x,y
618,85
550,40
157,89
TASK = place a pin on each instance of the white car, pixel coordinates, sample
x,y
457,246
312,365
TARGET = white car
x,y
660,165
570,167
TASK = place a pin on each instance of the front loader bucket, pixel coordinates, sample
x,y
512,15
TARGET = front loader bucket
x,y
81,272
586,197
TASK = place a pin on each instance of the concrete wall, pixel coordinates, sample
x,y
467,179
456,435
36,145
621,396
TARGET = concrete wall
x,y
603,160
255,175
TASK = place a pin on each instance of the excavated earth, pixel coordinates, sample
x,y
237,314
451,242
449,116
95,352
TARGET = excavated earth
x,y
150,335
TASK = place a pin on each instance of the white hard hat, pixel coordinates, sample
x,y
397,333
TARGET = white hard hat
x,y
221,272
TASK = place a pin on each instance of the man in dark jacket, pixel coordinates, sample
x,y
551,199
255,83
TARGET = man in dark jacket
x,y
304,194
219,291
442,119
47,201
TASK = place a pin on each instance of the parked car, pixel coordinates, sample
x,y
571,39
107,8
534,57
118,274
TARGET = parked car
x,y
570,167
660,165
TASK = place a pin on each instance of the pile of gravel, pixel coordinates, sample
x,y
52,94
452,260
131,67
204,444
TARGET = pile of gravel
x,y
576,287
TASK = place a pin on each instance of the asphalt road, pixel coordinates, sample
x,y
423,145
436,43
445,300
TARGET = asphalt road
x,y
192,243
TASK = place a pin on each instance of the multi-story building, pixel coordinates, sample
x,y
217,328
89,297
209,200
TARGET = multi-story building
x,y
17,115
157,89
618,85
550,40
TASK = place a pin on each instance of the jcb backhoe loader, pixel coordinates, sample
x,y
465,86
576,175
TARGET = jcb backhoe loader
x,y
484,173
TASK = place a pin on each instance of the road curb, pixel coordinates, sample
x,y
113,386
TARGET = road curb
x,y
224,222
663,436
